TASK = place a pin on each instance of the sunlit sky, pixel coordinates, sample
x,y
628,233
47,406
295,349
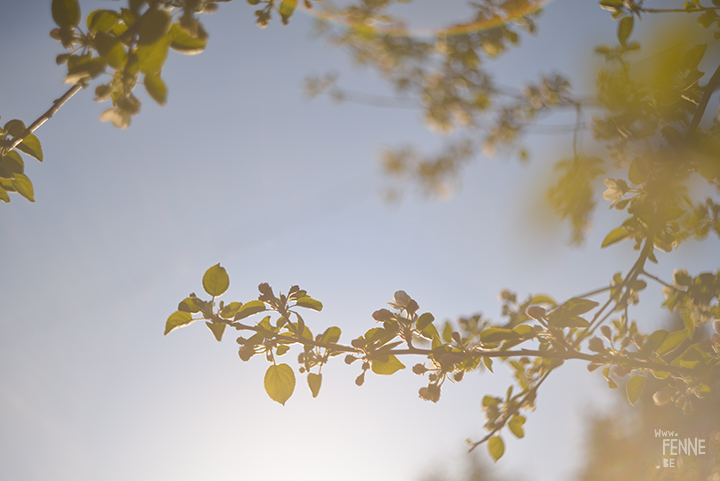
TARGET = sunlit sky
x,y
239,168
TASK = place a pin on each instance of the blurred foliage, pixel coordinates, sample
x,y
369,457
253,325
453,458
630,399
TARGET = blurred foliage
x,y
650,118
650,121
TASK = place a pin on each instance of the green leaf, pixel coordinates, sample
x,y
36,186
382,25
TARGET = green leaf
x,y
156,87
66,13
177,319
85,68
625,29
279,382
153,25
216,281
615,236
31,146
217,328
692,57
496,447
111,48
250,308
185,43
634,388
229,310
12,163
638,170
571,321
489,401
6,184
23,186
611,3
286,9
424,320
497,334
672,341
524,330
391,366
309,303
15,127
4,196
430,332
654,341
331,335
516,425
190,304
543,299
151,58
102,20
314,381
577,305
447,332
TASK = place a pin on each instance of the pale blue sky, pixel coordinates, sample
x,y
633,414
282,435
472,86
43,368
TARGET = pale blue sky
x,y
240,169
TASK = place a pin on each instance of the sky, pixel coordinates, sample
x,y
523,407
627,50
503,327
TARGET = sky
x,y
240,168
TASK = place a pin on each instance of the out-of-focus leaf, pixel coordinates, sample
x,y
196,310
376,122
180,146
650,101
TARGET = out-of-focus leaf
x,y
496,447
185,43
634,388
156,87
66,13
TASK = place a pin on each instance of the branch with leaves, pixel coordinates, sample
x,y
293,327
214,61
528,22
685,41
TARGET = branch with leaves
x,y
553,333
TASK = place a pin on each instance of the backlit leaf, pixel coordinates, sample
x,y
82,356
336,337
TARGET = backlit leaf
x,y
102,20
634,388
615,236
156,87
625,29
151,58
543,299
177,319
31,146
190,304
229,310
185,43
23,186
217,328
424,320
66,13
279,382
496,447
314,381
309,303
250,308
154,24
516,425
331,335
112,49
672,341
216,281
391,366
84,69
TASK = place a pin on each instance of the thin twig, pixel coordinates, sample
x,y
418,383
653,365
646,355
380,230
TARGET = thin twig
x,y
45,117
702,105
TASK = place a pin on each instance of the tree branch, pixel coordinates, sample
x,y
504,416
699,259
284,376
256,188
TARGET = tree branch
x,y
46,116
712,84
